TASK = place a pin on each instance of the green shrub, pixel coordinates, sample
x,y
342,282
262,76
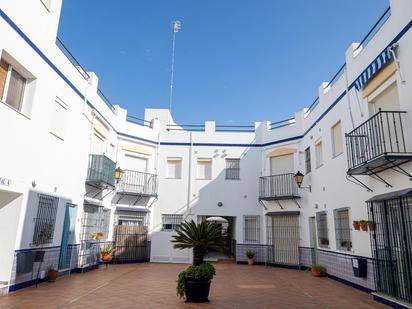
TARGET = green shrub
x,y
318,267
250,254
204,271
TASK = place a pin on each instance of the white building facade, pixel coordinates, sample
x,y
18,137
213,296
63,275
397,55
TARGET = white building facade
x,y
62,141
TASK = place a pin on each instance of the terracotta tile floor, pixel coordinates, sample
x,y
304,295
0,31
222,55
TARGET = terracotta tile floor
x,y
153,286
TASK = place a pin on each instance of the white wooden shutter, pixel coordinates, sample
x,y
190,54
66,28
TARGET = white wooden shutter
x,y
282,164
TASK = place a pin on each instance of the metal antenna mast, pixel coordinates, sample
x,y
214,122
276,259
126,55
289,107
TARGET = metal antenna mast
x,y
176,25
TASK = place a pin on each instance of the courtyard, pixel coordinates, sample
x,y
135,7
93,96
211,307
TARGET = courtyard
x,y
152,285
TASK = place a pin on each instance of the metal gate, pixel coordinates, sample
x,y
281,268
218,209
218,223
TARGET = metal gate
x,y
284,238
131,244
391,237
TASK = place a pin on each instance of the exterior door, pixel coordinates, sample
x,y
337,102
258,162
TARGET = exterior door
x,y
68,228
391,238
285,239
130,243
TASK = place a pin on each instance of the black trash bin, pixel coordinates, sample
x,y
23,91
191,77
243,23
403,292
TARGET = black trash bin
x,y
360,267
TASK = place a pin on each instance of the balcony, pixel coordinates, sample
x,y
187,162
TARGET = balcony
x,y
377,144
101,171
278,187
138,183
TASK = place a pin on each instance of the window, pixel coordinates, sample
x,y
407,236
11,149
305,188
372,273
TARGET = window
x,y
322,227
58,118
307,160
45,219
319,153
342,229
232,168
134,163
174,168
251,229
337,142
204,169
12,86
170,222
283,164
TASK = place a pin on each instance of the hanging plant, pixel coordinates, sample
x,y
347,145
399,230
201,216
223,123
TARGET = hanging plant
x,y
364,225
356,225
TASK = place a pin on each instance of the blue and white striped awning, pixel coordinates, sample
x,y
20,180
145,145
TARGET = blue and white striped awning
x,y
373,68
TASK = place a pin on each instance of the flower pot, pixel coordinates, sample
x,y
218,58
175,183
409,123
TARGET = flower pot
x,y
250,261
106,258
99,237
316,272
356,226
52,275
197,290
364,227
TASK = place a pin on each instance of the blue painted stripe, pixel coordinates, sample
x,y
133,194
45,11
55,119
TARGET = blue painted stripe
x,y
39,52
44,57
137,138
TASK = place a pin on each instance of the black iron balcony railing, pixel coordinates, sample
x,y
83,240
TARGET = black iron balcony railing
x,y
135,182
377,141
101,171
278,187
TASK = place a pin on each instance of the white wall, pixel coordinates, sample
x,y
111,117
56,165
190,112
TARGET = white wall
x,y
38,161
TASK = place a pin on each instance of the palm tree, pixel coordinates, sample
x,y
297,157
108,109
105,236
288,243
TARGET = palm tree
x,y
201,237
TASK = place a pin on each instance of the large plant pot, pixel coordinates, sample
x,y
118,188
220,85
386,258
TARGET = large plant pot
x,y
52,275
106,258
197,290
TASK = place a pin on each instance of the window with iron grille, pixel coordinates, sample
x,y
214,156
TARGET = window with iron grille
x,y
232,168
307,160
170,222
45,219
342,229
322,228
251,226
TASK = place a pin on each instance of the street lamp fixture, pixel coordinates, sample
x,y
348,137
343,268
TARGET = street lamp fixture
x,y
118,174
299,179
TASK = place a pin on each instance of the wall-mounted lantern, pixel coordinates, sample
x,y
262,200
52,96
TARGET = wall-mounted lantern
x,y
118,174
299,179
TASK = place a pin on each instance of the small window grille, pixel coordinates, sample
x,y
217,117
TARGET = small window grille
x,y
342,229
307,160
251,229
322,227
170,222
45,220
232,168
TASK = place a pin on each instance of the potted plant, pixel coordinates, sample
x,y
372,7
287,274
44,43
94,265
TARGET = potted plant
x,y
356,225
317,270
194,282
97,235
250,255
363,225
371,225
52,274
106,253
346,244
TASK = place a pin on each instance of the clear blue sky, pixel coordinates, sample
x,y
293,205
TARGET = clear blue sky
x,y
237,61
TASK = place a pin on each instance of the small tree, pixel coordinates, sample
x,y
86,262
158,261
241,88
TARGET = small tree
x,y
201,237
